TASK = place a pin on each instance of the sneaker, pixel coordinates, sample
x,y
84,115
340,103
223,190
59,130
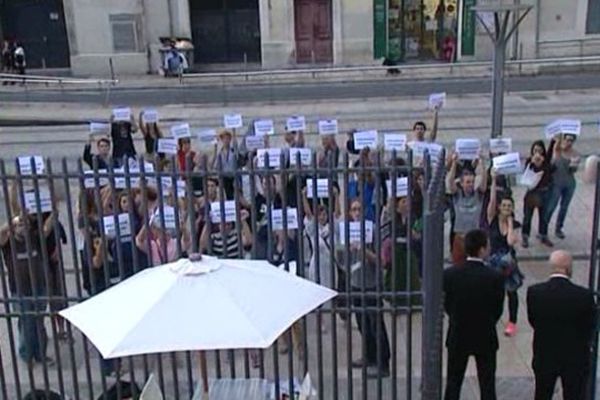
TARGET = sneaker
x,y
559,234
510,330
48,361
359,363
546,241
525,241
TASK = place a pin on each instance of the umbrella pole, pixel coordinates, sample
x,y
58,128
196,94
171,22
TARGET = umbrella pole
x,y
203,372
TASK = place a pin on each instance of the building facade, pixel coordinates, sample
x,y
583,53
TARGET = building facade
x,y
91,37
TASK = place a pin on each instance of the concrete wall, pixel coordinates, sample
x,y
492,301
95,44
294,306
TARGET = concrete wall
x,y
356,34
277,33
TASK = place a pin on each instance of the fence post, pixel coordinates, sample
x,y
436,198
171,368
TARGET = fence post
x,y
433,268
594,285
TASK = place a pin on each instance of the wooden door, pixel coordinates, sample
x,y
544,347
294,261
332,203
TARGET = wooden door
x,y
314,33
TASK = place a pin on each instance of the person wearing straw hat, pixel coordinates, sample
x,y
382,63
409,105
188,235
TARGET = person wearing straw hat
x,y
224,159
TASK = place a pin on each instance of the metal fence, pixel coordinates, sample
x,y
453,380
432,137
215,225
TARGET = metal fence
x,y
104,217
594,283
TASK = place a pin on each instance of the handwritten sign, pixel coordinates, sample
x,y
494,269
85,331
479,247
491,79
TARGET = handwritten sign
x,y
99,128
89,181
181,189
168,214
208,136
468,149
273,155
181,131
401,187
394,141
437,101
503,145
233,121
365,139
328,127
355,232
150,116
45,201
507,164
296,124
291,219
124,225
25,165
167,146
228,210
255,142
122,114
264,127
322,188
563,126
305,156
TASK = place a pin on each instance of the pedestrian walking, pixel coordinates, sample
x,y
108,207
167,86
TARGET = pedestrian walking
x,y
474,296
7,54
19,60
562,315
565,160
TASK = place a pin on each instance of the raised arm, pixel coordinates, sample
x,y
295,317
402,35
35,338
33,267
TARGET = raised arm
x,y
511,237
203,245
246,232
87,153
306,205
481,175
141,239
434,129
451,175
492,204
4,234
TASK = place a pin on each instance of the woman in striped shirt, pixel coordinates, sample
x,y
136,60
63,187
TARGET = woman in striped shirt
x,y
222,240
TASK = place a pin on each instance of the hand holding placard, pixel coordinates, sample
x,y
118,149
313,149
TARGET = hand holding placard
x,y
181,131
150,117
167,146
507,164
468,149
500,145
233,121
305,156
437,101
264,127
296,124
328,127
122,114
394,141
365,139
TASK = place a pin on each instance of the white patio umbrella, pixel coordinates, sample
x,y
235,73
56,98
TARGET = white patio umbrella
x,y
196,305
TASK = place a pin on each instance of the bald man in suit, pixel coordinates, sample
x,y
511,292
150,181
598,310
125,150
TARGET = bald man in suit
x,y
562,315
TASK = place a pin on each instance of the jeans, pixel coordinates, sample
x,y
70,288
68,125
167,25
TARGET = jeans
x,y
564,195
32,337
372,329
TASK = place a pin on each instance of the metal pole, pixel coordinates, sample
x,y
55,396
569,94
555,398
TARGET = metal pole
x,y
593,285
498,87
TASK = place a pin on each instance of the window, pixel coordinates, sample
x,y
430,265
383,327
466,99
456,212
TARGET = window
x,y
593,17
126,32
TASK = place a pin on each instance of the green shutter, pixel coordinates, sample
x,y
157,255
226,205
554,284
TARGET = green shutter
x,y
379,28
468,28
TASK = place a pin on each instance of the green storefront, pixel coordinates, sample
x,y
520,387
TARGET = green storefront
x,y
415,29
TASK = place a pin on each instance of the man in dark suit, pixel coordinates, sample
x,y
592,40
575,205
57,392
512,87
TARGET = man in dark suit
x,y
562,315
474,296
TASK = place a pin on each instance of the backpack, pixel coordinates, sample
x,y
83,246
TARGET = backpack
x,y
174,62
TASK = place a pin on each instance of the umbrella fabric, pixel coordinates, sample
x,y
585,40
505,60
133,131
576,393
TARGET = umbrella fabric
x,y
206,305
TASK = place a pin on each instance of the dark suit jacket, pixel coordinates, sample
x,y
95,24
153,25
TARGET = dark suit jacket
x,y
562,315
474,297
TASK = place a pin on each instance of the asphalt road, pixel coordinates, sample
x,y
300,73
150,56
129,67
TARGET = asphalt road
x,y
309,90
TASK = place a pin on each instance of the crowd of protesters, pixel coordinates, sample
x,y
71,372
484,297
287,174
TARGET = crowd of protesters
x,y
356,232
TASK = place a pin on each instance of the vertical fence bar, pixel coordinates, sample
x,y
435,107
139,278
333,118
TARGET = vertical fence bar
x,y
594,285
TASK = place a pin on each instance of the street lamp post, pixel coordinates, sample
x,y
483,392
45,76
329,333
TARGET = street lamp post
x,y
500,36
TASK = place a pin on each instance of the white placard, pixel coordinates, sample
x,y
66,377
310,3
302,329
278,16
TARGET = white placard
x,y
168,215
89,182
501,145
394,141
181,189
563,126
322,188
124,225
401,187
296,124
277,219
99,128
419,148
437,101
328,127
508,164
181,131
45,201
25,165
167,146
365,139
119,176
122,114
208,136
274,156
150,117
468,149
263,127
355,232
305,156
166,183
229,209
233,121
255,142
